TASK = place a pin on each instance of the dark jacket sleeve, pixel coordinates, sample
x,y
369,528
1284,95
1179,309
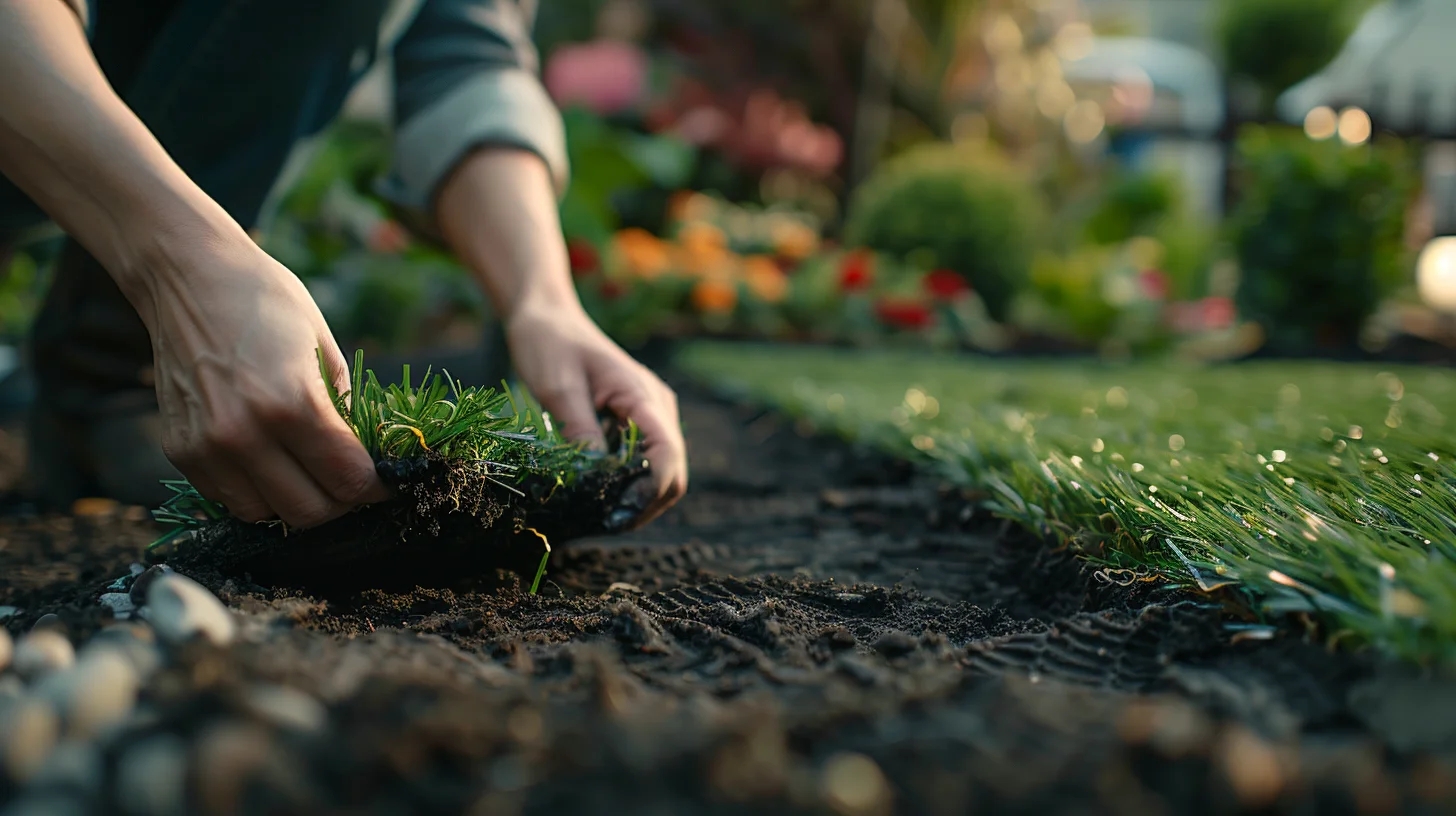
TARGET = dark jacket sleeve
x,y
466,75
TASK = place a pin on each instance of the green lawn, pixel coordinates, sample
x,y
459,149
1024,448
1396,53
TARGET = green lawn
x,y
1321,488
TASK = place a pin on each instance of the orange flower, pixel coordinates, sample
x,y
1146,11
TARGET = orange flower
x,y
715,296
689,206
643,254
793,240
765,279
700,235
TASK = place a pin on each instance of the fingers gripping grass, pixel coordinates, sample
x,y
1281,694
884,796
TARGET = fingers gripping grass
x,y
501,436
1316,488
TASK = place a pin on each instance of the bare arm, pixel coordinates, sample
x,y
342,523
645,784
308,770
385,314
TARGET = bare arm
x,y
70,143
233,332
497,210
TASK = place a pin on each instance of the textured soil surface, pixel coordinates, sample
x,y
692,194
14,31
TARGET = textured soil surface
x,y
812,630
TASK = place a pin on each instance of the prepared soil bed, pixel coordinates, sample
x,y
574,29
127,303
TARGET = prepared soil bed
x,y
813,630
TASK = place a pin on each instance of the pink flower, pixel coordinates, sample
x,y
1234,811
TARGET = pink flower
x,y
605,77
1154,283
1218,312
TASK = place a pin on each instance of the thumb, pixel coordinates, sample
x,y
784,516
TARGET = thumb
x,y
571,412
334,369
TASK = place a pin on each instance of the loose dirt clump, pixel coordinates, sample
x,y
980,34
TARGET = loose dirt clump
x,y
446,521
813,630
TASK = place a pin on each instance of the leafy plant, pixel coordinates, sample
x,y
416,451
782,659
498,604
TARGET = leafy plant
x,y
1322,489
955,208
1319,234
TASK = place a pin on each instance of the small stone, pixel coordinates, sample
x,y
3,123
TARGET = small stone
x,y
94,508
28,732
41,652
92,695
227,756
72,766
119,603
287,708
50,620
8,612
144,581
151,778
137,643
181,609
7,648
46,804
11,687
1252,766
895,644
136,568
854,785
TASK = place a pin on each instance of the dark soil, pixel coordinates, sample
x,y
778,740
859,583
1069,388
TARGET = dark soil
x,y
812,630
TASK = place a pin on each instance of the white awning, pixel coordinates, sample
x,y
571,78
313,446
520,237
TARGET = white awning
x,y
1399,66
1174,68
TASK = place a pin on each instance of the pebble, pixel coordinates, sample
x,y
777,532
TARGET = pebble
x,y
151,778
8,612
49,620
896,644
92,695
228,755
28,732
287,708
181,609
144,581
41,652
7,647
46,804
119,603
854,785
135,642
11,687
72,766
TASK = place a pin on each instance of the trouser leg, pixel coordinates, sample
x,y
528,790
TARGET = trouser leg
x,y
228,88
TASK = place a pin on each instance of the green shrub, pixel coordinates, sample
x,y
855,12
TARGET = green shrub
x,y
959,210
1277,43
1133,203
1319,235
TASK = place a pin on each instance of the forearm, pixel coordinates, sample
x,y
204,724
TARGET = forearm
x,y
70,143
497,210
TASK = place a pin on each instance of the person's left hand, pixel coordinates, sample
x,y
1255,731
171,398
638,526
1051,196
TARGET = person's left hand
x,y
576,371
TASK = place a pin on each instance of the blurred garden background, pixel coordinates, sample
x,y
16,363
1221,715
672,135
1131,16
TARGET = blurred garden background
x,y
1210,178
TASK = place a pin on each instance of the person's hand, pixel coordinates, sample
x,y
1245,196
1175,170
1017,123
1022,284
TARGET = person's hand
x,y
576,371
247,418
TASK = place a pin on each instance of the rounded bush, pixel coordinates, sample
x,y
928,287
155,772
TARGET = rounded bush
x,y
960,209
1319,235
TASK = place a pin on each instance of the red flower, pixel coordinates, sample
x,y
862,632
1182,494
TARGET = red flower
x,y
1154,283
856,272
1218,312
902,313
611,290
583,257
943,284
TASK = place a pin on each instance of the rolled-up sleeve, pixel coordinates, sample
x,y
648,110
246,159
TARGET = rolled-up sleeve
x,y
467,75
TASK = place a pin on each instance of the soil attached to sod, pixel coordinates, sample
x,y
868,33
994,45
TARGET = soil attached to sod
x,y
813,630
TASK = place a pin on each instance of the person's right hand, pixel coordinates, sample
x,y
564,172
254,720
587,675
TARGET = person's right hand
x,y
246,416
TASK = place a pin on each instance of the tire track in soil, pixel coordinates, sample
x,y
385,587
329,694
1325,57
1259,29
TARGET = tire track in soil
x,y
813,630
